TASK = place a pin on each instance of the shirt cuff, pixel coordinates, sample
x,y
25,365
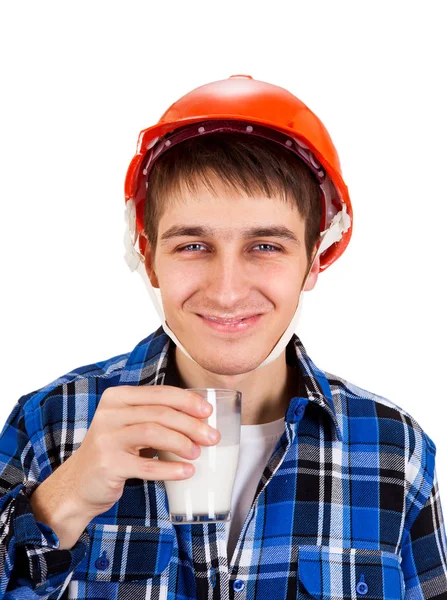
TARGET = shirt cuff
x,y
37,545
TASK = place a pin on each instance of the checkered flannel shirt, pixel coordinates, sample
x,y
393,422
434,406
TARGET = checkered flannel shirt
x,y
348,505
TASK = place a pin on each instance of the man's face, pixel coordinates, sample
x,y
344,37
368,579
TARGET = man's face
x,y
225,273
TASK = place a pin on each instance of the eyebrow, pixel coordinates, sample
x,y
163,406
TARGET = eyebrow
x,y
276,231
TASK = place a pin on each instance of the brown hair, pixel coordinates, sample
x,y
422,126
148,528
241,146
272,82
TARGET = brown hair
x,y
243,163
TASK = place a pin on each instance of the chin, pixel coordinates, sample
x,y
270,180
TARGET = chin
x,y
221,363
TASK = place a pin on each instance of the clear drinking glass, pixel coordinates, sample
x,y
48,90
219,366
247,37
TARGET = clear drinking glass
x,y
206,496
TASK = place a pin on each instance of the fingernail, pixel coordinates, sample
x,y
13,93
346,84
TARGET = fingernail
x,y
205,407
213,435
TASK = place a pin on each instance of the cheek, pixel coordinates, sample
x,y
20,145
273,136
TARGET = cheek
x,y
285,290
178,282
291,291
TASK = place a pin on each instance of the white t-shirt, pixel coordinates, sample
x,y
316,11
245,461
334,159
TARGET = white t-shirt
x,y
256,447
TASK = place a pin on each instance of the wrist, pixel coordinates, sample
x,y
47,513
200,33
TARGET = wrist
x,y
60,511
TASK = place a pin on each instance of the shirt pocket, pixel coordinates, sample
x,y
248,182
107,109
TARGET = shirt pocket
x,y
327,573
125,552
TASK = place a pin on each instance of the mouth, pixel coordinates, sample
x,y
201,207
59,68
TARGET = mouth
x,y
228,320
231,325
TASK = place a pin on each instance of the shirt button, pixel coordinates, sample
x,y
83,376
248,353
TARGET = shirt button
x,y
361,588
102,563
212,577
238,585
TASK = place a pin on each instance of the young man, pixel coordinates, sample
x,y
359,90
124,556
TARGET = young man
x,y
236,203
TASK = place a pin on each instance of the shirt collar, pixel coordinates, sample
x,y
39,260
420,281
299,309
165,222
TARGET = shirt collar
x,y
152,362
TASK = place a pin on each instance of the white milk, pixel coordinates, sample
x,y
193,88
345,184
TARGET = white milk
x,y
209,490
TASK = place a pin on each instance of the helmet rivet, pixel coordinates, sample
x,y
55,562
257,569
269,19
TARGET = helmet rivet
x,y
168,143
249,128
201,129
289,142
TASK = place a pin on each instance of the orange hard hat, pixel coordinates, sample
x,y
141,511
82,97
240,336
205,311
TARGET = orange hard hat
x,y
241,103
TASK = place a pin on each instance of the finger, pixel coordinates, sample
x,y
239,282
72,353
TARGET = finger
x,y
196,429
135,467
167,395
153,435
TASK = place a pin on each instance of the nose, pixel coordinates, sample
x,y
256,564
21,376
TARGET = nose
x,y
228,280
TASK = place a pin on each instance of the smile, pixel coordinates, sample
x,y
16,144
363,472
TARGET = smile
x,y
231,325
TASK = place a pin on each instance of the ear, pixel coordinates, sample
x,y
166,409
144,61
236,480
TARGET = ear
x,y
313,274
149,262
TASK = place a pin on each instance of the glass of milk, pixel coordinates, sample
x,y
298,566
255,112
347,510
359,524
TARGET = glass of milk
x,y
206,496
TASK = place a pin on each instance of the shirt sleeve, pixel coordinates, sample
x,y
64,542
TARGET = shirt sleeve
x,y
31,564
424,543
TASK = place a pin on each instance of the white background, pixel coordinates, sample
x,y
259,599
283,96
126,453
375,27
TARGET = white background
x,y
80,80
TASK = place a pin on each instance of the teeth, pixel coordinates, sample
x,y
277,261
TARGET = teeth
x,y
225,322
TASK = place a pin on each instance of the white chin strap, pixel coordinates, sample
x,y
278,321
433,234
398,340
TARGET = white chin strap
x,y
339,225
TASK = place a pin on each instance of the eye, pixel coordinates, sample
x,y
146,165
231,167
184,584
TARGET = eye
x,y
189,246
275,249
270,248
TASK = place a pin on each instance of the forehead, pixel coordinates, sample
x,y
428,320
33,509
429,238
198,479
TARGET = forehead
x,y
228,210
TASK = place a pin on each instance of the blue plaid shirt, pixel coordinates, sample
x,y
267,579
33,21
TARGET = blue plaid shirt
x,y
347,507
